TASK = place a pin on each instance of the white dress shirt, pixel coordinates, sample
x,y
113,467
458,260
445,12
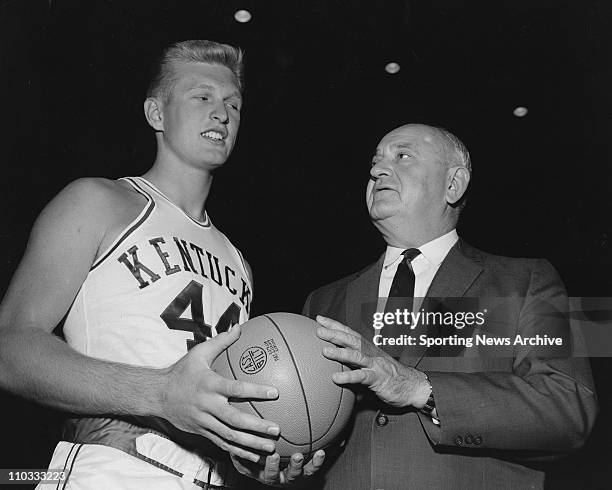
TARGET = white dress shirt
x,y
425,265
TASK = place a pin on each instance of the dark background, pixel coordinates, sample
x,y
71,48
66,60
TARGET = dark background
x,y
318,100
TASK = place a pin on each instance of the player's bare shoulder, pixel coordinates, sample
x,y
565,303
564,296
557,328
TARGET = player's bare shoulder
x,y
101,207
64,242
115,204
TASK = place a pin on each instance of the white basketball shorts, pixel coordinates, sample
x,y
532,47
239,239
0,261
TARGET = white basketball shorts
x,y
97,467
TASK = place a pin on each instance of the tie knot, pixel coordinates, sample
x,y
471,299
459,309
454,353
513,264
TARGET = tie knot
x,y
410,254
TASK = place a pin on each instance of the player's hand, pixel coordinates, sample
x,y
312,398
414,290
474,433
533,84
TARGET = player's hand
x,y
393,382
296,474
196,400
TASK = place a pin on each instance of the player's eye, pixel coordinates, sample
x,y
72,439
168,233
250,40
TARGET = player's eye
x,y
403,156
204,97
233,105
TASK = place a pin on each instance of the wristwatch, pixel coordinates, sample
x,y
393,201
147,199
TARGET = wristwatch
x,y
430,404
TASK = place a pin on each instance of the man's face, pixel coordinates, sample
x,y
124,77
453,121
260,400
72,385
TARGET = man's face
x,y
408,176
202,114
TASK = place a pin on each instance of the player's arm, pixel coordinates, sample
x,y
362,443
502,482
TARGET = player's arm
x,y
39,366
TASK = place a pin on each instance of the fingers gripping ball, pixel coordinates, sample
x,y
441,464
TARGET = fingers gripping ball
x,y
282,349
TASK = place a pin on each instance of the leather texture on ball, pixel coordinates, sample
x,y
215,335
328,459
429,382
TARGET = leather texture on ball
x,y
282,349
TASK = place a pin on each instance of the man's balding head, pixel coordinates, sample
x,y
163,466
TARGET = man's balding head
x,y
418,178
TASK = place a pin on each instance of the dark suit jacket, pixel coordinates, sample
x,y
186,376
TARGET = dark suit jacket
x,y
500,414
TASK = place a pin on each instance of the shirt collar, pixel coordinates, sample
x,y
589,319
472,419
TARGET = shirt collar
x,y
434,251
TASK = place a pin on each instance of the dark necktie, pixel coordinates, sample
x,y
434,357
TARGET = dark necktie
x,y
401,297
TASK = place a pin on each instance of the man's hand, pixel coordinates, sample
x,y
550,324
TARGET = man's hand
x,y
196,400
394,383
296,474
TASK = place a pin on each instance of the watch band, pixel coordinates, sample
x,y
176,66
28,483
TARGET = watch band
x,y
430,404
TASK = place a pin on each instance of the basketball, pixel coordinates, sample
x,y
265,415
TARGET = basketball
x,y
282,349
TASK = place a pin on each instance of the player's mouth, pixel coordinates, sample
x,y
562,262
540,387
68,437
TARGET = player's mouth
x,y
215,136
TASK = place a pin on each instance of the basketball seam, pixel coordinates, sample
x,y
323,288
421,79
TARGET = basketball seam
x,y
335,415
297,370
229,363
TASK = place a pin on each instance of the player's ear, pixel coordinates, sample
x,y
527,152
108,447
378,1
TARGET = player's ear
x,y
458,179
153,113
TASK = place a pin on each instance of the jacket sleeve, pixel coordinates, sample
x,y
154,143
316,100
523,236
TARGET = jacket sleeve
x,y
545,406
306,308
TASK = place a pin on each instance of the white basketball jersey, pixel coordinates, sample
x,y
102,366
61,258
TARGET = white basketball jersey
x,y
166,283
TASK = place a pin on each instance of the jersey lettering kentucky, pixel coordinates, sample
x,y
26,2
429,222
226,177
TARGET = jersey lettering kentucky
x,y
165,284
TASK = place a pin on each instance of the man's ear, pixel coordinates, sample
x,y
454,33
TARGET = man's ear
x,y
153,113
458,181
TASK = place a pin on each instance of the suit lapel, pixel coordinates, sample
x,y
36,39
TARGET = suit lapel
x,y
361,299
456,274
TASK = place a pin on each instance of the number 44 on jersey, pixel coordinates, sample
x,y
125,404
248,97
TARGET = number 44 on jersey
x,y
192,296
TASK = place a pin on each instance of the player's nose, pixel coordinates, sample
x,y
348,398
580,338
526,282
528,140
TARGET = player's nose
x,y
220,113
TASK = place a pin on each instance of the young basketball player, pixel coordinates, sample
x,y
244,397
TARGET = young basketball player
x,y
151,292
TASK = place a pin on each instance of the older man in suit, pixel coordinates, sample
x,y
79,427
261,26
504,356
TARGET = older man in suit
x,y
452,415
